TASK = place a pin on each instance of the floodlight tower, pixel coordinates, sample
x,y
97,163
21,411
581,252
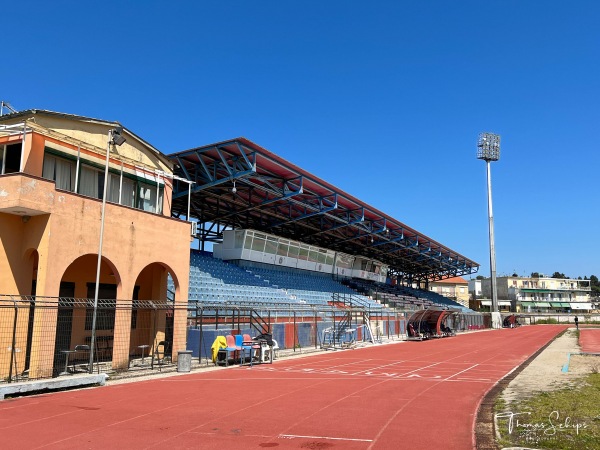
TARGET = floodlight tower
x,y
488,149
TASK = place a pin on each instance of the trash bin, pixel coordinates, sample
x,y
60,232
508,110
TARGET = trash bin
x,y
184,361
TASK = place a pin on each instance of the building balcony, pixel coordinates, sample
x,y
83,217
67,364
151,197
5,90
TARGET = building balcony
x,y
26,195
556,289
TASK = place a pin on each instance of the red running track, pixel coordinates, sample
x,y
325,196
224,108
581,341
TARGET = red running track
x,y
417,395
589,340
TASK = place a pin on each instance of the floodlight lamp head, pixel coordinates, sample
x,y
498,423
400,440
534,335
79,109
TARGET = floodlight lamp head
x,y
488,147
234,189
116,136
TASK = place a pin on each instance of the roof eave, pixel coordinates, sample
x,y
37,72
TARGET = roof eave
x,y
29,112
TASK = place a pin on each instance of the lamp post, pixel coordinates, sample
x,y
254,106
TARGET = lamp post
x,y
115,137
488,149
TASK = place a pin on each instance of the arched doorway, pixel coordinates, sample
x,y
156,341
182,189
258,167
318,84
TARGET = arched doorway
x,y
17,317
75,315
152,315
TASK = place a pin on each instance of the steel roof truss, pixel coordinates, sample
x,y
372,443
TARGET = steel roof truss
x,y
268,200
309,208
205,168
181,164
249,163
346,217
215,181
217,171
388,241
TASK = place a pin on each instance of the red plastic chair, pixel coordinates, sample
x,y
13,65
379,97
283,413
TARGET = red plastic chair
x,y
248,341
250,346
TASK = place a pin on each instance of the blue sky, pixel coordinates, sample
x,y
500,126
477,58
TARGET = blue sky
x,y
383,99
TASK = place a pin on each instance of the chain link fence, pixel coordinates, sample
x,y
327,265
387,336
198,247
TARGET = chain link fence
x,y
46,337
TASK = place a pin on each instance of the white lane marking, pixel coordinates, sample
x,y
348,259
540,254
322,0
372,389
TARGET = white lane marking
x,y
330,438
462,371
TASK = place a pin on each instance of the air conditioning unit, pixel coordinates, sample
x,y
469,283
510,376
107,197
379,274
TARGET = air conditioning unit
x,y
194,231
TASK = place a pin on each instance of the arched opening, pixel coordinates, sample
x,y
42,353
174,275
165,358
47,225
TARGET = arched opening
x,y
17,319
152,315
76,311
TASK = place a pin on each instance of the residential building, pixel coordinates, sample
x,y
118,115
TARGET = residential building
x,y
531,294
455,288
475,288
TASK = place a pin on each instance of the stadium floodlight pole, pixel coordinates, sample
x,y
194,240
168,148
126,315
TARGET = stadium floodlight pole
x,y
488,149
115,137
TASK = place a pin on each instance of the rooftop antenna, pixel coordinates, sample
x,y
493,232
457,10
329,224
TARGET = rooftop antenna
x,y
5,104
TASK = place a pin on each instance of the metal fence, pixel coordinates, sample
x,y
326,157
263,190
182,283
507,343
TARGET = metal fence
x,y
293,327
557,318
45,337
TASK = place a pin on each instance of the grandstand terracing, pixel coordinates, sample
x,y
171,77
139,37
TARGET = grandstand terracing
x,y
214,281
402,297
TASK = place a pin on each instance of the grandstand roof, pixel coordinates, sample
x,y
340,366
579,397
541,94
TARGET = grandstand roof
x,y
239,184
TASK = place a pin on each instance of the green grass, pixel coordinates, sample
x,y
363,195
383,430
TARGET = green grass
x,y
546,321
565,419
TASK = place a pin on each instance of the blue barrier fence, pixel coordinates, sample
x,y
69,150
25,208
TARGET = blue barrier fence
x,y
287,335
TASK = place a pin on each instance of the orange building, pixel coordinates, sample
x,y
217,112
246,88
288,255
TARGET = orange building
x,y
51,186
455,288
